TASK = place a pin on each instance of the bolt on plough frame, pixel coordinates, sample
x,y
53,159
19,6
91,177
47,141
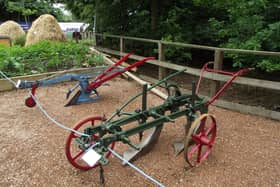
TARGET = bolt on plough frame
x,y
146,124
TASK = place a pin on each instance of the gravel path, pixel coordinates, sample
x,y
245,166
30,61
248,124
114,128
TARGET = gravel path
x,y
246,152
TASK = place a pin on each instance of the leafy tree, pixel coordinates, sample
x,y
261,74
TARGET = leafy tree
x,y
27,10
243,24
250,25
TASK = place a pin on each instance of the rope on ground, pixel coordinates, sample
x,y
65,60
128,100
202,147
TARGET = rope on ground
x,y
44,111
135,168
52,119
81,134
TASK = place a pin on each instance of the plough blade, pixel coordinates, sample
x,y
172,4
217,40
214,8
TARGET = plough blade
x,y
179,146
74,99
145,145
82,97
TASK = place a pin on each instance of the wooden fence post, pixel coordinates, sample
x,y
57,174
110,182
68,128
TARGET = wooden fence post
x,y
218,64
90,35
94,39
122,45
162,72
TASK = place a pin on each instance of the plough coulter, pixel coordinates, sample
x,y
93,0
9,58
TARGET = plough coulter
x,y
87,90
147,123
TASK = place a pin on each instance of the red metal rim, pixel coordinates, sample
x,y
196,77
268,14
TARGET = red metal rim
x,y
30,102
73,158
203,139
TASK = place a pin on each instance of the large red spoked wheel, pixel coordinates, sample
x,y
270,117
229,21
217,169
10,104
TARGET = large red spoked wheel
x,y
200,139
73,152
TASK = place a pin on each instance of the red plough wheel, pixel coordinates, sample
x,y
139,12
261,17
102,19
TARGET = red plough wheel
x,y
200,139
30,102
73,152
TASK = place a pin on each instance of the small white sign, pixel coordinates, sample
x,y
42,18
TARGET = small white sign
x,y
91,157
18,83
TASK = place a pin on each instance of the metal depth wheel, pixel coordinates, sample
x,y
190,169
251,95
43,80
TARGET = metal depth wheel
x,y
200,139
74,152
29,102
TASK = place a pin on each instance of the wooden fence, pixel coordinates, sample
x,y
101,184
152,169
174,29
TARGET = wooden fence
x,y
218,54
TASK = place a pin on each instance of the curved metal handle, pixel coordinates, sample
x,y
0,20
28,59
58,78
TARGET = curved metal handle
x,y
233,74
226,85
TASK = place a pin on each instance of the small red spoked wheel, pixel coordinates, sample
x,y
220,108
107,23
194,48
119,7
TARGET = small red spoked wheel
x,y
30,102
200,139
73,152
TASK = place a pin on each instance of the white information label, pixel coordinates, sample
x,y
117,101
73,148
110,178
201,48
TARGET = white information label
x,y
91,157
18,83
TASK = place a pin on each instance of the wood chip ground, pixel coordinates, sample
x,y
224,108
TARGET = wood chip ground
x,y
246,152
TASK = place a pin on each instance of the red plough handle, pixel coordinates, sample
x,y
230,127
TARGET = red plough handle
x,y
233,75
98,81
113,67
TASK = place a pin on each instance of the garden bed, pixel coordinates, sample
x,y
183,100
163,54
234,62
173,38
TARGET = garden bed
x,y
246,152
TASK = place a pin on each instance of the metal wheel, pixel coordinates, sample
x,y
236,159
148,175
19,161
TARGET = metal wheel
x,y
200,139
30,102
74,152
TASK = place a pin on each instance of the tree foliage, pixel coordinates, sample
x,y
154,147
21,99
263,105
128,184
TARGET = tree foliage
x,y
253,25
243,24
27,10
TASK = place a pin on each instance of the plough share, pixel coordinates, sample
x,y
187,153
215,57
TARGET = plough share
x,y
200,129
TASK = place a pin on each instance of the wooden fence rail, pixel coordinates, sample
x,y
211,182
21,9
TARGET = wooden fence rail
x,y
221,103
218,57
218,54
196,72
179,44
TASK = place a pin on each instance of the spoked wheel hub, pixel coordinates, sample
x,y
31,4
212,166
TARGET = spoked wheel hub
x,y
77,145
200,139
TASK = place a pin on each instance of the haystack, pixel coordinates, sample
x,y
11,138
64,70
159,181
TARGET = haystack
x,y
44,28
11,29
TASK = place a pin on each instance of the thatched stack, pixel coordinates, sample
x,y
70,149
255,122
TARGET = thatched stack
x,y
44,28
11,29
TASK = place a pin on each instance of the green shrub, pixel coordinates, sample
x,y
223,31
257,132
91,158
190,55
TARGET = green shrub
x,y
45,56
19,41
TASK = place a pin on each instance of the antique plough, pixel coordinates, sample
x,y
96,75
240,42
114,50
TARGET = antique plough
x,y
92,140
146,124
87,89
